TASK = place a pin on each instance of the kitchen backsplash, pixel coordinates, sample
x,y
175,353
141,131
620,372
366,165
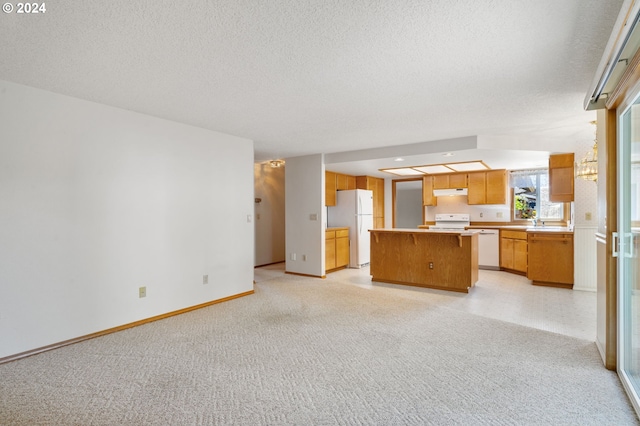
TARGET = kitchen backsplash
x,y
480,213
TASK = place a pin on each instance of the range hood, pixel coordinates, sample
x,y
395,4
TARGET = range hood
x,y
449,192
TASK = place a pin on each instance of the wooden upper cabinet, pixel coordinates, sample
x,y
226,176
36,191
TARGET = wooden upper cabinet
x,y
561,177
458,180
336,182
496,187
330,187
449,181
489,187
351,182
441,181
345,182
379,203
477,188
427,192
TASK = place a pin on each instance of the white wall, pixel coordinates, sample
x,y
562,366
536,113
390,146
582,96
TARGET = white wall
x,y
585,225
98,201
304,184
269,214
477,213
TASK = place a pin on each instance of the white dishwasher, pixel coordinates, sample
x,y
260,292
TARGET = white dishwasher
x,y
489,249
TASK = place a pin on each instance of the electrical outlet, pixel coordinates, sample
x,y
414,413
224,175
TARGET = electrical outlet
x,y
481,214
205,279
304,257
313,216
142,292
293,256
499,215
587,216
248,218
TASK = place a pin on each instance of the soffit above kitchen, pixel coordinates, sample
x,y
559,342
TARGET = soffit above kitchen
x,y
492,151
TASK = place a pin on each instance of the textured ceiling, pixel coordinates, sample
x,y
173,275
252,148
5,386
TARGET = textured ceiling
x,y
303,76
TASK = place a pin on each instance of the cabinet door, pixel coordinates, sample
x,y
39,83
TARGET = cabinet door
x,y
496,187
341,182
477,191
363,182
330,188
441,181
506,253
427,192
342,251
379,199
458,180
551,258
561,177
520,255
330,251
351,182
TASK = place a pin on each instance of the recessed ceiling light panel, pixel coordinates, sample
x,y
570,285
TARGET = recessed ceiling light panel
x,y
468,166
435,169
403,171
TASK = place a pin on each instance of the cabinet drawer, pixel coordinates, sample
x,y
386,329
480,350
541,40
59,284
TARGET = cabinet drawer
x,y
342,233
561,238
516,235
329,235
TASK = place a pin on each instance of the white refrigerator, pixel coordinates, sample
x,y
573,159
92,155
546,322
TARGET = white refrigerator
x,y
354,208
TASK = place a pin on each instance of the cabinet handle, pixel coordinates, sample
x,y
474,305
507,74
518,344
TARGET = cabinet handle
x,y
615,244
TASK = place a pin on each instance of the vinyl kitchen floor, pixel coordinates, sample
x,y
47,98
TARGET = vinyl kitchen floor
x,y
499,295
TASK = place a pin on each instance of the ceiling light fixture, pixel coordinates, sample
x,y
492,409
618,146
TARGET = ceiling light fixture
x,y
403,171
276,163
468,166
587,168
398,159
448,154
433,169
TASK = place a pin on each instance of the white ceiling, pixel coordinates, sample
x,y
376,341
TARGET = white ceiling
x,y
325,76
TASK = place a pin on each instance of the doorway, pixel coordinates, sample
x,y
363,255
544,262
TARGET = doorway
x,y
628,161
408,209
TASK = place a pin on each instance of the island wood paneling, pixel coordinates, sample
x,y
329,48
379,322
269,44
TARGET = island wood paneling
x,y
447,261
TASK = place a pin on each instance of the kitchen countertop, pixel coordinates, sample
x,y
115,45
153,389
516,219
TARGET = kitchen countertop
x,y
462,232
546,229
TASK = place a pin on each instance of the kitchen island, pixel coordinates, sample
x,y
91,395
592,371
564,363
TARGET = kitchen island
x,y
445,260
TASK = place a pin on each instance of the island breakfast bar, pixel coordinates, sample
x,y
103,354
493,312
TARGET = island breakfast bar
x,y
445,260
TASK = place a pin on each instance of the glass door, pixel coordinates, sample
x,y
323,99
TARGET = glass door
x,y
628,267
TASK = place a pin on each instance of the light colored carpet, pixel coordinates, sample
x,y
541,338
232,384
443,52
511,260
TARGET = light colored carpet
x,y
322,352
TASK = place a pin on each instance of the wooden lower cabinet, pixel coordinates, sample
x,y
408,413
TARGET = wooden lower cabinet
x,y
514,251
330,250
551,259
336,251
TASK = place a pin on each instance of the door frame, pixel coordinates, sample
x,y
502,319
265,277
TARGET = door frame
x,y
393,198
